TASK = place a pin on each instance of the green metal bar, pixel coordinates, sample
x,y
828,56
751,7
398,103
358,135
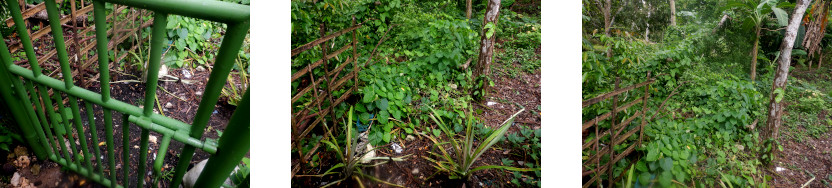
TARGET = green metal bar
x,y
125,153
58,36
84,172
231,44
27,102
58,127
20,106
233,146
158,34
16,108
79,127
24,37
160,155
42,116
27,106
94,134
180,136
101,45
217,11
67,127
108,132
93,97
60,47
143,157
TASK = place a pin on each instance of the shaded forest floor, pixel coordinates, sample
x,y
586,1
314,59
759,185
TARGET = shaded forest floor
x,y
805,134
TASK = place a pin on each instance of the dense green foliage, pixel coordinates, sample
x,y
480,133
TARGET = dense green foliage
x,y
708,132
421,69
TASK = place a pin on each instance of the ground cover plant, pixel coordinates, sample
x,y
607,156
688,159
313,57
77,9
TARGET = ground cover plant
x,y
416,61
709,119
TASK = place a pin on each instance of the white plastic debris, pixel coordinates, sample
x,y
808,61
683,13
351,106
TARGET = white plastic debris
x,y
163,71
490,103
186,73
396,148
370,154
152,139
778,169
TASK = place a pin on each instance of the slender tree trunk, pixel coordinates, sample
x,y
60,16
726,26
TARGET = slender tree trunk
x,y
483,66
820,61
468,9
607,17
754,54
772,129
721,21
672,12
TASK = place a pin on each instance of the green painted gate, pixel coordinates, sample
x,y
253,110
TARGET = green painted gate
x,y
32,96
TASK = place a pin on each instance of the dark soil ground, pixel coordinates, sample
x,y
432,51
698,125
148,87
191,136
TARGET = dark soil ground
x,y
178,99
800,161
416,171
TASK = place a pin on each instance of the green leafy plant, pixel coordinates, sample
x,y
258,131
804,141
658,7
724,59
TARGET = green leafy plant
x,y
5,141
756,12
238,177
350,164
192,40
458,165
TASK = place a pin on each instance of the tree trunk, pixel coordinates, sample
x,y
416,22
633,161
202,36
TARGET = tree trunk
x,y
721,21
483,66
772,129
468,9
607,17
754,54
820,61
672,12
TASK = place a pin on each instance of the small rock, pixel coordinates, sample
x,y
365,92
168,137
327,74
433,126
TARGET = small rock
x,y
22,162
410,138
169,105
20,151
396,148
415,171
15,179
24,183
35,169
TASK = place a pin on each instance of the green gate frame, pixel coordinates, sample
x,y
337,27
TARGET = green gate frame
x,y
38,132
